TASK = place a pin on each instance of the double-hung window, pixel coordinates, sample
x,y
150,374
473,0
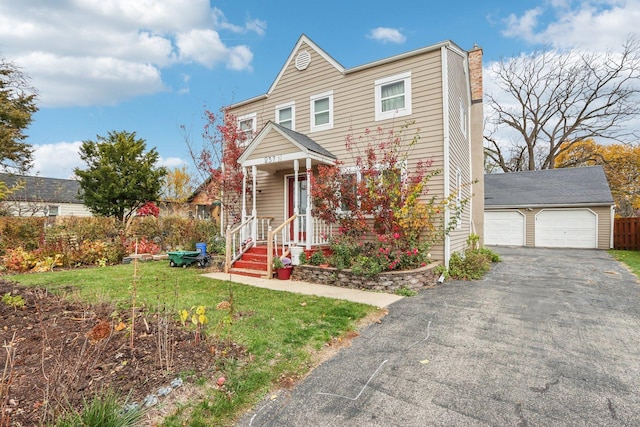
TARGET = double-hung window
x,y
349,189
286,115
322,111
393,96
247,125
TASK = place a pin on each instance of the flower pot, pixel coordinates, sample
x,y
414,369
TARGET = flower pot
x,y
284,273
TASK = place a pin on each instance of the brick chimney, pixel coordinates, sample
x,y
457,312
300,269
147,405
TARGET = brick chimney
x,y
475,73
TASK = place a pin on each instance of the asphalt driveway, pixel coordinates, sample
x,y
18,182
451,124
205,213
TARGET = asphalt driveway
x,y
548,338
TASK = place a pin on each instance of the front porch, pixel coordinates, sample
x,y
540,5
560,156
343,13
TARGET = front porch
x,y
251,246
285,160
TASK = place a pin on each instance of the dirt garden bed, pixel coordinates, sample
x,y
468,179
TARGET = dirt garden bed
x,y
57,353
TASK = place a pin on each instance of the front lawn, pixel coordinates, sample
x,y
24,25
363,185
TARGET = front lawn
x,y
279,331
631,258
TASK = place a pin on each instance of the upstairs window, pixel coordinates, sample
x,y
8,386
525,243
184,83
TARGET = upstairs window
x,y
393,96
286,115
247,125
464,118
322,111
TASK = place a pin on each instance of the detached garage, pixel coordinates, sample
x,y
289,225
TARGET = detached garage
x,y
556,208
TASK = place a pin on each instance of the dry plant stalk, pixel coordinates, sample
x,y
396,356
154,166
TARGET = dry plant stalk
x,y
133,295
5,381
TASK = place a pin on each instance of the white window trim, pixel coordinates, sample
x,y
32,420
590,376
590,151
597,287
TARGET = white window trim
x,y
254,124
355,170
380,115
291,105
53,210
350,170
312,99
463,118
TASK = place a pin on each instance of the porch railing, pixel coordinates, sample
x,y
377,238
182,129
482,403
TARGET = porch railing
x,y
237,242
321,232
272,242
262,228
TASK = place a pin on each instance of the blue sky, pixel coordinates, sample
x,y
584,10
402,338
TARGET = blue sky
x,y
150,66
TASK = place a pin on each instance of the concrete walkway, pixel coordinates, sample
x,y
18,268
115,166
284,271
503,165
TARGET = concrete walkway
x,y
377,299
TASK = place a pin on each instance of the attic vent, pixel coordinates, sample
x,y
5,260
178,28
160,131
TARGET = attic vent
x,y
302,60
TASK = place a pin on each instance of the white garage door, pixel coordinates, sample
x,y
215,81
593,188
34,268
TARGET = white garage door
x,y
504,228
566,228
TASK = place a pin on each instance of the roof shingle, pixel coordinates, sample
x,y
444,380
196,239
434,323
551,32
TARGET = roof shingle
x,y
568,186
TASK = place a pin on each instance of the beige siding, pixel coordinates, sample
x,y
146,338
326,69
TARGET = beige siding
x,y
354,112
459,155
272,144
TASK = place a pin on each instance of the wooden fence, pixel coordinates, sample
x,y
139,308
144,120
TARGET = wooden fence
x,y
626,234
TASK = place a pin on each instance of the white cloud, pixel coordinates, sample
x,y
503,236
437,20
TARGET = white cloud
x,y
100,52
83,81
171,162
590,24
387,35
60,159
202,46
524,25
56,160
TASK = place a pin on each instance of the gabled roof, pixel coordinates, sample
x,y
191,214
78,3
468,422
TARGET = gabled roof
x,y
312,45
550,187
39,189
307,146
304,141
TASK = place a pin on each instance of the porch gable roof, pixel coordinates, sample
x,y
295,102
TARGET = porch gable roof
x,y
307,148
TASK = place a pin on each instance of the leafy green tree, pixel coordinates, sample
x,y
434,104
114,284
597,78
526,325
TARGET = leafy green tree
x,y
121,176
17,106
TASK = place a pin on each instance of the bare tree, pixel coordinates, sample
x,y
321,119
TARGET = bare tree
x,y
549,100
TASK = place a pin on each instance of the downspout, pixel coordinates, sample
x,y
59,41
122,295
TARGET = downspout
x,y
612,220
445,149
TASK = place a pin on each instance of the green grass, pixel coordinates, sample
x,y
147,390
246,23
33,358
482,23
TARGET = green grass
x,y
631,258
281,331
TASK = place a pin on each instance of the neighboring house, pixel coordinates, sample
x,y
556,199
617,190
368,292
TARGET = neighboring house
x,y
201,204
559,208
314,103
38,196
204,205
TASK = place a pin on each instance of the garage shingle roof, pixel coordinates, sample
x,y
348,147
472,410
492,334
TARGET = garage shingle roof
x,y
556,187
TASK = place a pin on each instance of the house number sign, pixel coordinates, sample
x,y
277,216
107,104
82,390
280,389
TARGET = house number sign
x,y
273,159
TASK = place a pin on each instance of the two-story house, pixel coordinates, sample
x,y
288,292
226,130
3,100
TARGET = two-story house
x,y
314,103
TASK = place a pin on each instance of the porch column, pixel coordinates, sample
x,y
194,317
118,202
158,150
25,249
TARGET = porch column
x,y
309,221
254,222
296,202
244,203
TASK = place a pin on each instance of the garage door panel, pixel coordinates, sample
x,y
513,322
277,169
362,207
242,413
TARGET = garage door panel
x,y
504,228
567,228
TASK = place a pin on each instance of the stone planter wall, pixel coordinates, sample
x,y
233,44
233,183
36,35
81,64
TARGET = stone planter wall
x,y
389,281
